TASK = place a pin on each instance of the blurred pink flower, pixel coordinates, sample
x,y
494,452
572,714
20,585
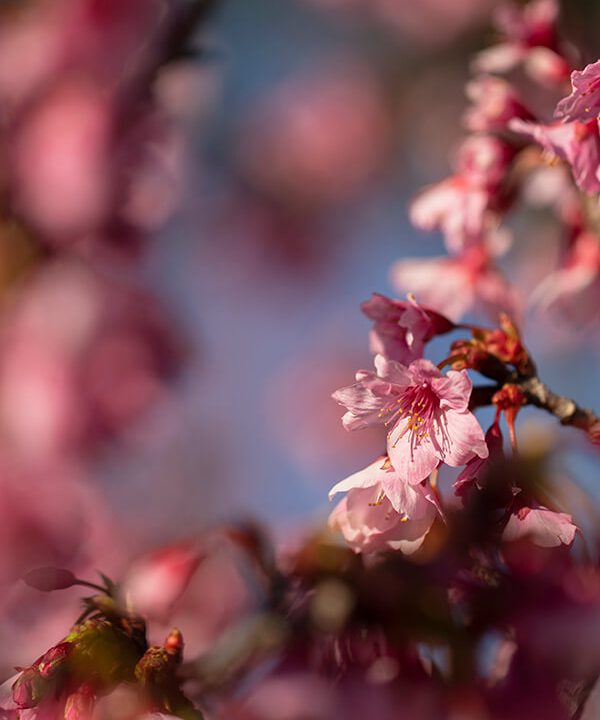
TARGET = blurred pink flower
x,y
575,142
222,592
80,358
529,37
89,27
369,523
456,208
411,502
495,102
402,328
464,207
427,413
153,584
543,527
456,286
62,160
325,136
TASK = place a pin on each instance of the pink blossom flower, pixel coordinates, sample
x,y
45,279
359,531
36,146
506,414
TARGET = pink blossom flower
x,y
63,144
382,510
542,526
463,207
456,286
426,412
575,142
325,136
401,328
494,104
484,160
583,104
454,207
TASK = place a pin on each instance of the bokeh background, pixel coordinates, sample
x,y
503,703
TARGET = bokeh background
x,y
309,125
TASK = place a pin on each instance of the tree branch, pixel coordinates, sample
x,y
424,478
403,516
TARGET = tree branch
x,y
567,411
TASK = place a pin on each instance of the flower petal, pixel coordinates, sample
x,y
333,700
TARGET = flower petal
x,y
415,462
458,437
454,390
367,477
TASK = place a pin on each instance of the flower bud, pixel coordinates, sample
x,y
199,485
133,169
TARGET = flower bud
x,y
29,689
48,579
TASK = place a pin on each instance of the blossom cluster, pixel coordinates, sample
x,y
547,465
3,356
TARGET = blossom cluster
x,y
520,130
394,502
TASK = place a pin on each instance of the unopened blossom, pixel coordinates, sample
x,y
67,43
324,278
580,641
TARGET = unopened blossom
x,y
583,104
382,510
456,286
426,414
402,328
578,143
542,526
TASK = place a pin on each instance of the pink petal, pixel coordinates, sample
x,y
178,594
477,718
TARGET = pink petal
x,y
413,463
365,478
392,371
542,526
454,390
584,102
458,437
498,59
363,406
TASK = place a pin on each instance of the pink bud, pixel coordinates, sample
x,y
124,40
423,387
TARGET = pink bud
x,y
157,581
48,579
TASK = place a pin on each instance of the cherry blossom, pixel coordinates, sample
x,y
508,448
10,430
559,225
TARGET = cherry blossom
x,y
426,412
402,328
381,510
464,206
